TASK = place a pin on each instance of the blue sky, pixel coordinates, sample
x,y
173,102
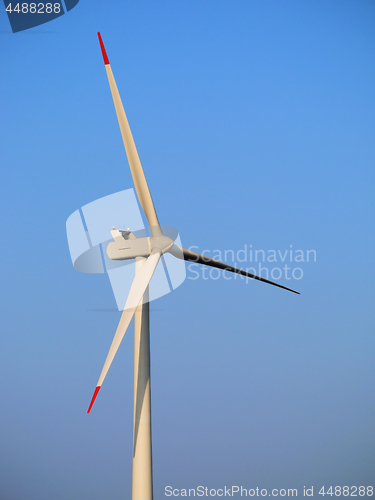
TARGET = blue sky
x,y
254,122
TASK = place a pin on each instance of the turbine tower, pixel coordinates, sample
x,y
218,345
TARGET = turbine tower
x,y
147,251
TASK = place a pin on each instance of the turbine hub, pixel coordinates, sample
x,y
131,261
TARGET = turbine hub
x,y
162,243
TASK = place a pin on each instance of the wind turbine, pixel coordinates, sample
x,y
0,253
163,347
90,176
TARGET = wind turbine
x,y
147,251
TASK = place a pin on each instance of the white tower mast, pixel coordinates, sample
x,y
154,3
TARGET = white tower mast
x,y
142,448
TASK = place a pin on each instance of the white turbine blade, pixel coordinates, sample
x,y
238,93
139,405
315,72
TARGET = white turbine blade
x,y
136,169
139,285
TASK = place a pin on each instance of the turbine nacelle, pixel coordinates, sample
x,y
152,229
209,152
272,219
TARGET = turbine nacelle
x,y
126,246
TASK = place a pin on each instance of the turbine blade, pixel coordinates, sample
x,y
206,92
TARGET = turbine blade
x,y
136,169
139,285
189,255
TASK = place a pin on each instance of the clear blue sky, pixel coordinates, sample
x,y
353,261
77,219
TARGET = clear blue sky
x,y
254,121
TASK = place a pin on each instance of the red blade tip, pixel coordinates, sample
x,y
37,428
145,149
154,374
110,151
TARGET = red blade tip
x,y
105,57
93,398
